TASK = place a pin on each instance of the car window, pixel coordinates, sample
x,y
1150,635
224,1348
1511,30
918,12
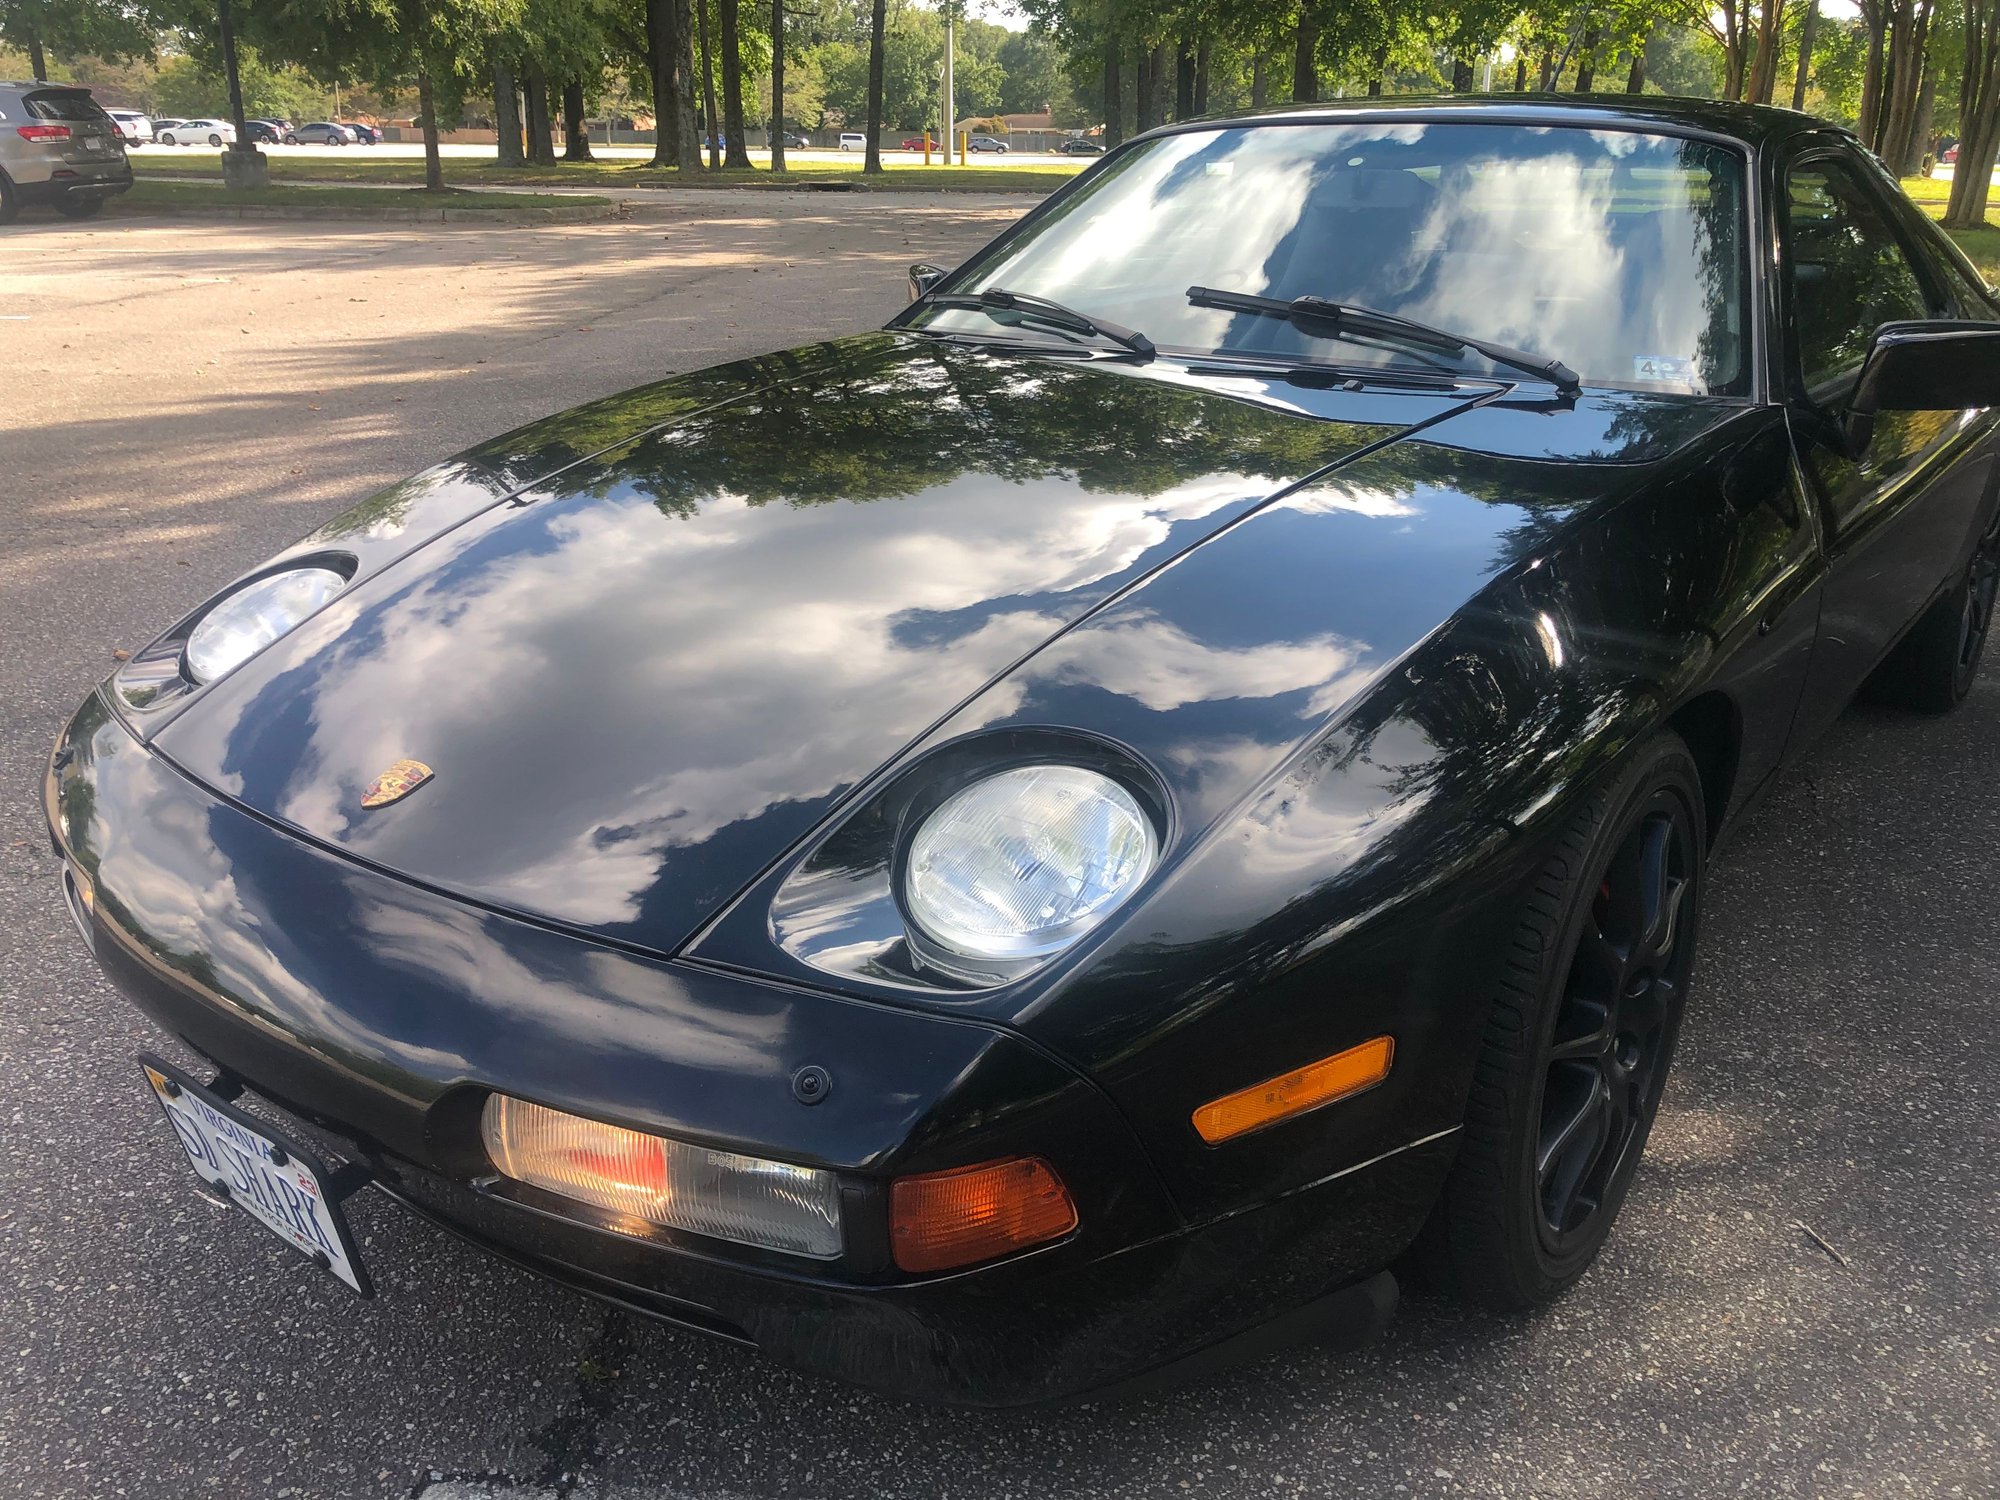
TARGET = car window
x,y
1620,253
63,104
1849,272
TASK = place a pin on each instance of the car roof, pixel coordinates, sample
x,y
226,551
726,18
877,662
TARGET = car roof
x,y
1754,125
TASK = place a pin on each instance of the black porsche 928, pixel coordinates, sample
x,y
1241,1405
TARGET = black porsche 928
x,y
1070,835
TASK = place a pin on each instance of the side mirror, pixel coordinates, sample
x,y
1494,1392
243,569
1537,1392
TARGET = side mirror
x,y
924,276
1930,366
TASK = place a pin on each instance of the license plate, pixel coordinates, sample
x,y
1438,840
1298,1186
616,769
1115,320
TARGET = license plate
x,y
280,1186
94,143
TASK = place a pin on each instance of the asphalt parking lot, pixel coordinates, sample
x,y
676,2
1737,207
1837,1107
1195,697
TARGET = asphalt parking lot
x,y
1803,1297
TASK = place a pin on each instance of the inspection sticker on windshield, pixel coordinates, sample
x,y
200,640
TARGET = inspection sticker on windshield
x,y
1663,367
244,1160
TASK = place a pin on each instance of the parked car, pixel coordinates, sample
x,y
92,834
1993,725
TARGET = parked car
x,y
57,147
1255,812
917,143
364,135
853,140
197,132
265,132
320,133
986,143
133,127
1078,145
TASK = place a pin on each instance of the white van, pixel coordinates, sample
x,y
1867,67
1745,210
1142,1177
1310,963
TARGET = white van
x,y
853,140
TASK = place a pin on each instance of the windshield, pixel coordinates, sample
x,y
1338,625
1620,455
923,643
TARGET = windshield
x,y
1618,253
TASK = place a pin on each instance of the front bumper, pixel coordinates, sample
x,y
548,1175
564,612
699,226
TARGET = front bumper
x,y
379,1014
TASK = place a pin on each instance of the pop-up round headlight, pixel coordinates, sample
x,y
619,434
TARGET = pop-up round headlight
x,y
1019,866
247,621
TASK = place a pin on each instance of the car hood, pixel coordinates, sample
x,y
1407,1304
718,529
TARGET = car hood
x,y
652,671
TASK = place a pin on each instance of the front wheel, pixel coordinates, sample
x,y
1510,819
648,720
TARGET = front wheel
x,y
1933,668
167,140
1578,1041
291,140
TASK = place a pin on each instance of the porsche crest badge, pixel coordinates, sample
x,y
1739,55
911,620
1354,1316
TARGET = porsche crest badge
x,y
396,783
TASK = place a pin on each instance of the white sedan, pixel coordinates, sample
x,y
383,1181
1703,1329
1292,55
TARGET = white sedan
x,y
198,132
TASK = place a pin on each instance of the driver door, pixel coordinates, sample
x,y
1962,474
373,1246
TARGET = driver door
x,y
1899,516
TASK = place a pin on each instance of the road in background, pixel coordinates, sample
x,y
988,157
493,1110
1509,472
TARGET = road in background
x,y
1801,1299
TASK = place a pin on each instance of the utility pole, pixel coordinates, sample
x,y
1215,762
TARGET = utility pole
x,y
950,108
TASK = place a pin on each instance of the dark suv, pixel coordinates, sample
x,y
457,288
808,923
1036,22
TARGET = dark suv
x,y
57,146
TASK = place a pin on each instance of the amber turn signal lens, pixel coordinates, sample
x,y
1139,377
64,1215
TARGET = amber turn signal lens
x,y
1296,1092
945,1219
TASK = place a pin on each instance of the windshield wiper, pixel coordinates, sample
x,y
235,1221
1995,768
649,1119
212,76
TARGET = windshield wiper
x,y
1042,310
1322,317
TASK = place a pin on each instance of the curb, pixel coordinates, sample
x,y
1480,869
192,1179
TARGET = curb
x,y
388,214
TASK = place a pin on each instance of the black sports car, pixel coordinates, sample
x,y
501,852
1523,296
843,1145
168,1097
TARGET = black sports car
x,y
1071,834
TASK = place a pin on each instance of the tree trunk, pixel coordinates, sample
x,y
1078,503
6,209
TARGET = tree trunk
x,y
660,65
507,116
1586,64
1920,131
427,107
776,130
1184,82
38,61
732,86
1260,80
1305,55
1521,73
683,144
710,126
1461,76
1114,94
1806,29
541,143
227,35
1548,68
1201,60
1978,120
878,23
1635,77
1869,123
576,131
1909,35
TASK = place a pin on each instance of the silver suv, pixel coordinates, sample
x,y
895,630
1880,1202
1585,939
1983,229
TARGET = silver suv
x,y
57,147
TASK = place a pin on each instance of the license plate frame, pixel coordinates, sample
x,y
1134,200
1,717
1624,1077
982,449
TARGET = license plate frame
x,y
283,1188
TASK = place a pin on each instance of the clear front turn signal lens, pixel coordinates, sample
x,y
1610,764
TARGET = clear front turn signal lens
x,y
241,624
939,1220
731,1197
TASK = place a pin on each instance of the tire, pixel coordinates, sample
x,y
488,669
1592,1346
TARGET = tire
x,y
167,139
78,208
1578,1042
1935,665
10,201
215,140
291,140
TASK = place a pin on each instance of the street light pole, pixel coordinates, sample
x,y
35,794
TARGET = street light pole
x,y
950,106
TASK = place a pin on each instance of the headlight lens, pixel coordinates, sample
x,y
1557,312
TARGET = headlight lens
x,y
247,621
1022,864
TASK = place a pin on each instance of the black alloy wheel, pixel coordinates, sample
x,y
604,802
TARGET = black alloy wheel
x,y
1935,665
1586,1007
1620,1007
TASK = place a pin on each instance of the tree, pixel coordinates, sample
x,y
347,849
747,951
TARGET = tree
x,y
79,28
775,118
732,85
877,25
1978,116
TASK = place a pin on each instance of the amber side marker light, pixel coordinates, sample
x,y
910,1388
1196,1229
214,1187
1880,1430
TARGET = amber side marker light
x,y
1337,1077
939,1220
